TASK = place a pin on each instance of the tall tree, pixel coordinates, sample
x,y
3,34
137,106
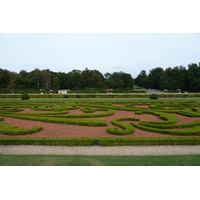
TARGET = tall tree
x,y
142,79
46,77
4,78
36,79
194,77
154,77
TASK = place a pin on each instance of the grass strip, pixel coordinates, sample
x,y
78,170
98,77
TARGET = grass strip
x,y
80,160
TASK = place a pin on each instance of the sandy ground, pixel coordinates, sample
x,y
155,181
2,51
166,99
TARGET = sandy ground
x,y
99,150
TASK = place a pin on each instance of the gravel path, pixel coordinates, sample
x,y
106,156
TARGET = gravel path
x,y
100,150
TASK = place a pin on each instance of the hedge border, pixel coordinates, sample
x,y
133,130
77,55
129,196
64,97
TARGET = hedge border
x,y
122,141
71,121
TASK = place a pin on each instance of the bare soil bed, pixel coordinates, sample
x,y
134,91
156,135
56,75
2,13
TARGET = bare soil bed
x,y
51,130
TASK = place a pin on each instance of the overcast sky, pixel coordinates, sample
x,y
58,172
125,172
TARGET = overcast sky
x,y
108,52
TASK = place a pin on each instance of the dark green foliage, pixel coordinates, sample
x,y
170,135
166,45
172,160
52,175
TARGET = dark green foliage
x,y
93,81
25,96
153,96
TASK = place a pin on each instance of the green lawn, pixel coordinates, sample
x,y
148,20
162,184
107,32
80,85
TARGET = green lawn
x,y
79,160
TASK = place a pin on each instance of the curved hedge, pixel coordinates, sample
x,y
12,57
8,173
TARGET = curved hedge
x,y
173,126
127,128
191,131
164,110
169,118
12,130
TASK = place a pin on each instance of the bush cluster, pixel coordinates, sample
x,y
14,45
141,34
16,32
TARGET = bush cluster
x,y
153,96
25,96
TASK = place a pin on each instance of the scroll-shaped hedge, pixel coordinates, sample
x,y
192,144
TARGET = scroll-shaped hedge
x,y
173,126
127,129
190,131
12,130
169,119
190,112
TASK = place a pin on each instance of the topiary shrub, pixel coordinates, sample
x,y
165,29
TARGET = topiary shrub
x,y
25,96
153,96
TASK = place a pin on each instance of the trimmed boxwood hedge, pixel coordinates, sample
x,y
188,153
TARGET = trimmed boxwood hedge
x,y
89,115
122,141
12,130
108,108
88,110
127,128
81,122
169,118
173,126
191,131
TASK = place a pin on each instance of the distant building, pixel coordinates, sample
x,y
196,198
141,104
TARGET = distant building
x,y
62,91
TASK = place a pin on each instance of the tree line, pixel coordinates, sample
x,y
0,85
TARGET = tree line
x,y
73,80
171,79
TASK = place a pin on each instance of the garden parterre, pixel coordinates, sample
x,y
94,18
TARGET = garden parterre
x,y
92,114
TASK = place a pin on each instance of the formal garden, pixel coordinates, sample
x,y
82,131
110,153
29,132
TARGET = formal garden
x,y
100,121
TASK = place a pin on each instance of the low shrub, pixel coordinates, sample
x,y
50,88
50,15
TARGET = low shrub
x,y
25,96
153,96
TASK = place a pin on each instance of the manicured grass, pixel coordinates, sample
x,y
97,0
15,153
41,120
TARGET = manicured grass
x,y
79,160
